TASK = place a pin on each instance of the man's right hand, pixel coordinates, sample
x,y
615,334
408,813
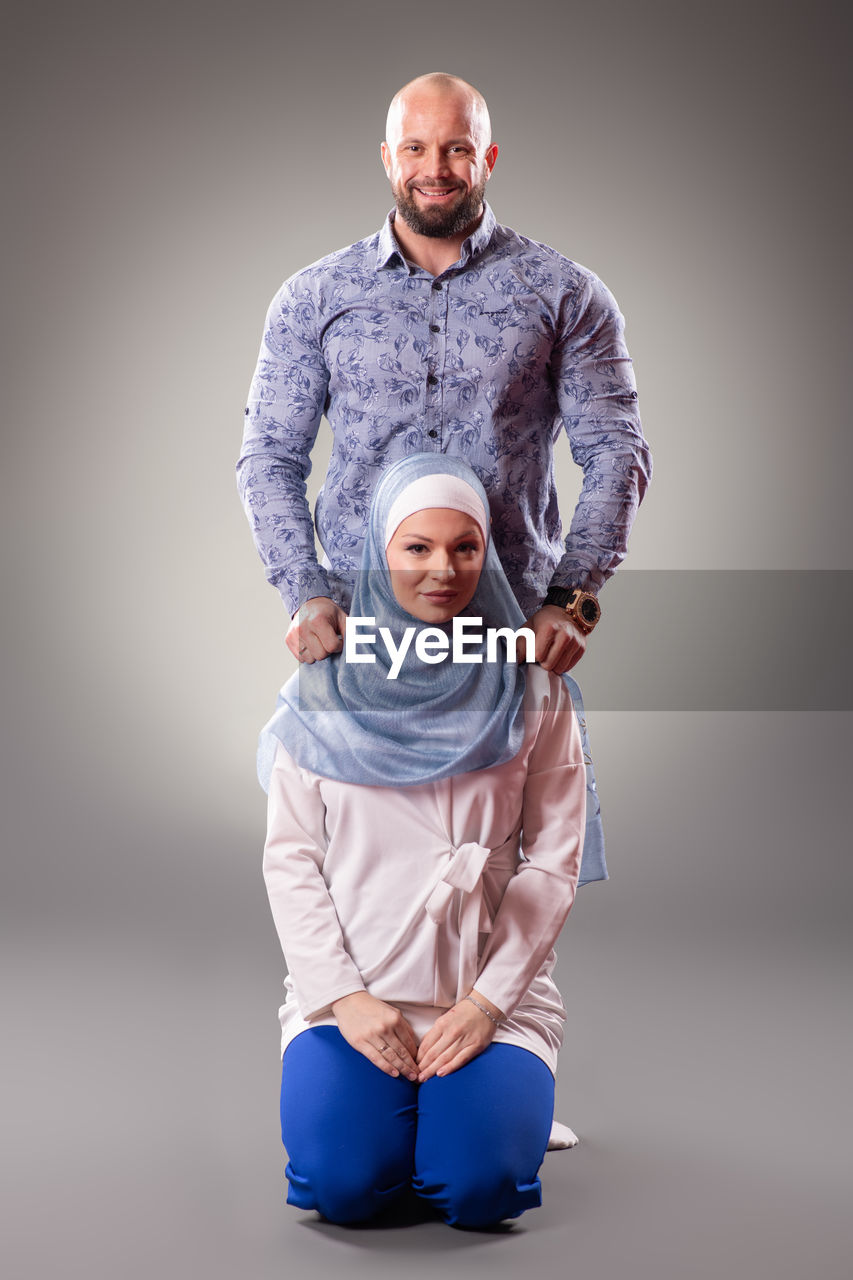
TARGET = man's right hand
x,y
316,630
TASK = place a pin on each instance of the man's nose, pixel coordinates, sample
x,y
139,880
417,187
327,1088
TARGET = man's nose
x,y
436,162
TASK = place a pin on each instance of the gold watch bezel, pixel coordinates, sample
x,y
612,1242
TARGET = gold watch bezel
x,y
574,606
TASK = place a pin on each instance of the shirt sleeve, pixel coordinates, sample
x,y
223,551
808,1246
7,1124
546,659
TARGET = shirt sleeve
x,y
285,406
305,918
539,896
597,398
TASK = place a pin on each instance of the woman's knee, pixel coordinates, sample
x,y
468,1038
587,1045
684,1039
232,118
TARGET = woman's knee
x,y
478,1195
348,1190
364,1157
363,1160
482,1133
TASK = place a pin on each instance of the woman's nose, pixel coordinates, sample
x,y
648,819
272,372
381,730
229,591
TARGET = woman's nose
x,y
441,566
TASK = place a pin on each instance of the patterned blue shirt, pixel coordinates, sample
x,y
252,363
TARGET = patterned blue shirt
x,y
487,361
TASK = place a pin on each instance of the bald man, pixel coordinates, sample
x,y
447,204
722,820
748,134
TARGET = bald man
x,y
444,332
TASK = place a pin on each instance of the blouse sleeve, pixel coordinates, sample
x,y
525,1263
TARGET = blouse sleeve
x,y
304,914
539,895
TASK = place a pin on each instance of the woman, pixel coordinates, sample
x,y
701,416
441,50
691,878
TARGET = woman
x,y
423,850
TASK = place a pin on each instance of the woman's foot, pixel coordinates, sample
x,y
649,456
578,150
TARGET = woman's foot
x,y
562,1137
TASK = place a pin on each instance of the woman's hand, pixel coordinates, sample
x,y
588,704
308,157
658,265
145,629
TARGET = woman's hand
x,y
456,1037
379,1031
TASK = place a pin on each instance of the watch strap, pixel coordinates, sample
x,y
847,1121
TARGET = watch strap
x,y
560,596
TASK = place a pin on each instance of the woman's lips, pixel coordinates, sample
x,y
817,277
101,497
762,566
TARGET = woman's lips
x,y
439,597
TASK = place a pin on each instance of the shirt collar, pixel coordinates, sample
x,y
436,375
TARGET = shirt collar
x,y
480,238
389,254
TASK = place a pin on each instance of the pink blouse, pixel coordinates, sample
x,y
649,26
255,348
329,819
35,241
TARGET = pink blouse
x,y
416,894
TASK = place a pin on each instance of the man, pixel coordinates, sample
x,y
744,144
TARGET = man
x,y
448,333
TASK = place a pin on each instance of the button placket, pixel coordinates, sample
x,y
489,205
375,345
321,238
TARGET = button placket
x,y
436,347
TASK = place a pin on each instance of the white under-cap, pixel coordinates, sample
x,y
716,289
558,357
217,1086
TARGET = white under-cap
x,y
439,490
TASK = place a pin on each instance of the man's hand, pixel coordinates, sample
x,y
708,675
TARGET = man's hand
x,y
455,1038
316,630
560,643
379,1031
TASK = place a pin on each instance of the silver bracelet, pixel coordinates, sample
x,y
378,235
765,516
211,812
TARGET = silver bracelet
x,y
483,1009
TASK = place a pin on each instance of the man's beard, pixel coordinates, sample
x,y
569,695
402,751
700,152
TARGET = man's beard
x,y
436,222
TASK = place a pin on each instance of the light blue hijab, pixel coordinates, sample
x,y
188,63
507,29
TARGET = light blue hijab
x,y
348,721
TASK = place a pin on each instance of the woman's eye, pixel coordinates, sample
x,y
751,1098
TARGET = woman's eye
x,y
416,547
469,548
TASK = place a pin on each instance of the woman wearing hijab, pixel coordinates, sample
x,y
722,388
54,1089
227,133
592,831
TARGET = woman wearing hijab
x,y
426,825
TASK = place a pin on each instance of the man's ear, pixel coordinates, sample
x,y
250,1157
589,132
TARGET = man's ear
x,y
491,159
385,152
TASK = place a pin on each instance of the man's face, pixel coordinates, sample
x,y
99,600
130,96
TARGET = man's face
x,y
437,162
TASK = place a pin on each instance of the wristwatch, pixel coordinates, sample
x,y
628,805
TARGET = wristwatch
x,y
582,607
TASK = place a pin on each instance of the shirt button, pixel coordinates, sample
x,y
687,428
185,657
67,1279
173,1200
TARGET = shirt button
x,y
432,434
437,288
432,379
435,328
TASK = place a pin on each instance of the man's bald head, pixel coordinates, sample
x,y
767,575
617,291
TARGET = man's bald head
x,y
439,86
438,155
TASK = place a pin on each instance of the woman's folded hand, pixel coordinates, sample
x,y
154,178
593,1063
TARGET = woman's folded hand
x,y
456,1037
379,1031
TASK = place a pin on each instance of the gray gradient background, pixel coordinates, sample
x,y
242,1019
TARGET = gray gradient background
x,y
167,166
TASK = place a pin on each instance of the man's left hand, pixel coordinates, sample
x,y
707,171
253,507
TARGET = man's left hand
x,y
560,643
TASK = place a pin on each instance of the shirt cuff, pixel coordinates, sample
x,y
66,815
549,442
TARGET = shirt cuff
x,y
304,584
571,573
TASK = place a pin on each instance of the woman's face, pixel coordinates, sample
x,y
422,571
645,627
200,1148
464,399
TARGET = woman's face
x,y
435,558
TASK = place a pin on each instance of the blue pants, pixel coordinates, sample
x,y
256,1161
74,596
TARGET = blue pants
x,y
360,1141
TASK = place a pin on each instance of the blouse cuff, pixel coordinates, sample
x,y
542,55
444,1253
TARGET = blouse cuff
x,y
322,1006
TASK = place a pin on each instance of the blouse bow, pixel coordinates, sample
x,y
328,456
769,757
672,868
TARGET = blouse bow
x,y
463,873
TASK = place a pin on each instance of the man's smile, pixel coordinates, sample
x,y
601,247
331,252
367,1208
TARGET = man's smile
x,y
434,193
